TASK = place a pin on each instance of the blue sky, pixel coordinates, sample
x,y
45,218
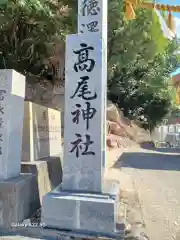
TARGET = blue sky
x,y
177,18
171,2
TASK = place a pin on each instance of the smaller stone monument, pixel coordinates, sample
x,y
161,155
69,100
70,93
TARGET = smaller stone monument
x,y
41,132
41,147
16,190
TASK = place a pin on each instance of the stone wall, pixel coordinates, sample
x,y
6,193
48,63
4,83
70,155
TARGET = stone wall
x,y
45,93
48,95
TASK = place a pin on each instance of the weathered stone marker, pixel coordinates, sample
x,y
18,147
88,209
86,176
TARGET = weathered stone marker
x,y
41,132
85,201
15,189
41,148
12,90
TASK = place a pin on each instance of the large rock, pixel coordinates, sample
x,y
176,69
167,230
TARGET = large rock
x,y
120,126
116,128
140,135
113,114
114,141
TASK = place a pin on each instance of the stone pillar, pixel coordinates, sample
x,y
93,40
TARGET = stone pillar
x,y
84,114
41,132
42,151
92,29
85,201
93,19
12,92
16,190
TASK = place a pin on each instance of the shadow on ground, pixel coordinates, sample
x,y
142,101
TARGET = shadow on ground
x,y
153,161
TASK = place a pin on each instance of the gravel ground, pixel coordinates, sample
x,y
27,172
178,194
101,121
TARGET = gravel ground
x,y
157,181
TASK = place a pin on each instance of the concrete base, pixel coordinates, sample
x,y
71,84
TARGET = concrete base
x,y
48,173
18,199
77,211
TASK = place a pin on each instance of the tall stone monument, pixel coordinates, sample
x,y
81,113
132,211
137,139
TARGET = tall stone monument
x,y
85,201
16,190
12,91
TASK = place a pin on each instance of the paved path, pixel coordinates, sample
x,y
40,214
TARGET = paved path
x,y
157,180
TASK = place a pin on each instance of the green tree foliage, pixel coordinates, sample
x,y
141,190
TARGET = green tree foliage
x,y
139,57
140,62
29,29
